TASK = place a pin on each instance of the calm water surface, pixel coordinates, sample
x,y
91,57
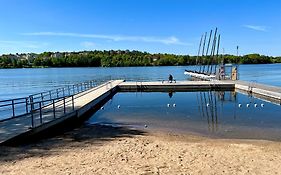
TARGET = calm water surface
x,y
215,114
23,82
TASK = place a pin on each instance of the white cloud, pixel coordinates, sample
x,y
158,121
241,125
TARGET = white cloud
x,y
22,44
88,44
150,39
257,28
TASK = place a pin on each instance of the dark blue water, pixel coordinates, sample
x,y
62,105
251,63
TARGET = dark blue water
x,y
215,114
23,82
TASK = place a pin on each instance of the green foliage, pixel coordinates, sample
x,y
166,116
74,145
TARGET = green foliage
x,y
120,58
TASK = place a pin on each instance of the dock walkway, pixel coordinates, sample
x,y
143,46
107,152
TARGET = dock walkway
x,y
77,105
265,92
74,106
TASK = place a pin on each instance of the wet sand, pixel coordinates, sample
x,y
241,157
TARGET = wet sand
x,y
120,150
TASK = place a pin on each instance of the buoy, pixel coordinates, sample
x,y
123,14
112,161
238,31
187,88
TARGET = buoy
x,y
174,105
256,105
168,105
208,104
239,105
248,105
262,105
102,108
118,106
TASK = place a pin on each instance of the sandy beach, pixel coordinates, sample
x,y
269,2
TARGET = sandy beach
x,y
120,150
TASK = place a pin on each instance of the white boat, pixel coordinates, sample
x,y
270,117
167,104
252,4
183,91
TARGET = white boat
x,y
200,75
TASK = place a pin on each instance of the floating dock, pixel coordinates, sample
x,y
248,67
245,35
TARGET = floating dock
x,y
75,107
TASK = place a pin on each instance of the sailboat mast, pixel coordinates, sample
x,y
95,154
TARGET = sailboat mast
x,y
199,50
208,47
213,51
217,56
203,50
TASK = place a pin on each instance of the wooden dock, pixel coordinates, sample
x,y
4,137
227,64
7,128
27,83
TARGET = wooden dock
x,y
76,106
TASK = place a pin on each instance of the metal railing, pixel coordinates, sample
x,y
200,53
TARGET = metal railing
x,y
18,107
57,107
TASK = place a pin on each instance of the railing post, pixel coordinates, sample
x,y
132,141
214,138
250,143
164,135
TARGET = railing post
x,y
64,110
42,98
57,93
40,112
54,109
63,92
31,111
68,90
26,105
72,98
50,93
13,106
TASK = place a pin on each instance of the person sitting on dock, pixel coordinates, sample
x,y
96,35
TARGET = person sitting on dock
x,y
170,78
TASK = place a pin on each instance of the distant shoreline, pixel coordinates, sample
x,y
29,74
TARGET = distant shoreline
x,y
125,58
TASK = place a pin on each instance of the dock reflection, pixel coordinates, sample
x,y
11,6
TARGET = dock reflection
x,y
209,104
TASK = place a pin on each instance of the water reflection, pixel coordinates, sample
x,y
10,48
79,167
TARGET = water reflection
x,y
208,106
215,113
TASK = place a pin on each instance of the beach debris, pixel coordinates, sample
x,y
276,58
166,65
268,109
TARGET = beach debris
x,y
145,126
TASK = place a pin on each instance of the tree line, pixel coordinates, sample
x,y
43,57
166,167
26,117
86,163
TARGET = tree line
x,y
124,58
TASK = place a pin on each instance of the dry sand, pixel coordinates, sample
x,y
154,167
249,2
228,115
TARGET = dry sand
x,y
107,150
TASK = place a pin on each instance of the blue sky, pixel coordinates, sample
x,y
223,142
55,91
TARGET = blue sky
x,y
156,26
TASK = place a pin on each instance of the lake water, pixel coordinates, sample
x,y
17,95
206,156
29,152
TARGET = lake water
x,y
23,82
214,114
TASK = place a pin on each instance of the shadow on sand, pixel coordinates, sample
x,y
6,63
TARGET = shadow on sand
x,y
77,138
